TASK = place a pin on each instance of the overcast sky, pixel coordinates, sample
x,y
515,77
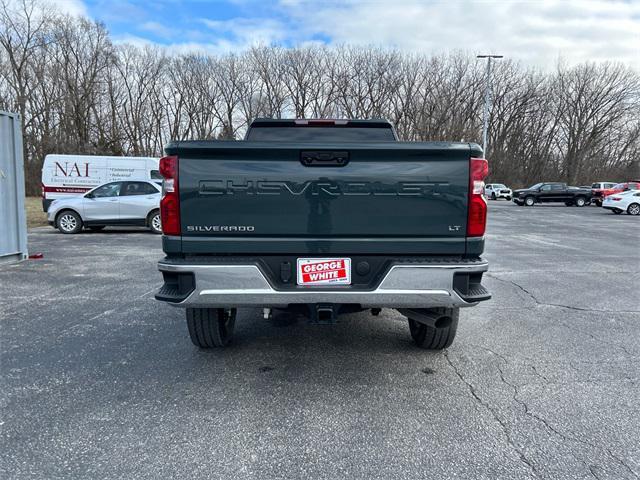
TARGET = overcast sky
x,y
537,33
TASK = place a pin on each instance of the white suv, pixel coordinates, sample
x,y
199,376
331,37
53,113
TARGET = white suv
x,y
115,203
495,191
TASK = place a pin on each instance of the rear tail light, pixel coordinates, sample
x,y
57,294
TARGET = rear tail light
x,y
477,216
170,202
616,199
42,192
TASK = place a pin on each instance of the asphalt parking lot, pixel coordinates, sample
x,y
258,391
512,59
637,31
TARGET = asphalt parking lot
x,y
101,381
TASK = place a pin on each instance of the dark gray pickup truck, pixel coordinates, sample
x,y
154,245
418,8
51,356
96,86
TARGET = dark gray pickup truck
x,y
323,217
554,192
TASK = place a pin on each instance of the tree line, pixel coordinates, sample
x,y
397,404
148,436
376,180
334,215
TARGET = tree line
x,y
80,93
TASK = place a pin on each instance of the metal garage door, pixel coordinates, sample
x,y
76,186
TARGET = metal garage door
x,y
13,225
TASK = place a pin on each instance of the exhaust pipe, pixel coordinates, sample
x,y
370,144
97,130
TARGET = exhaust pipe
x,y
431,318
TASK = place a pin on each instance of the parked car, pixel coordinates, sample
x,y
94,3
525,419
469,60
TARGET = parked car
x,y
495,191
323,217
628,201
552,192
114,203
617,188
597,190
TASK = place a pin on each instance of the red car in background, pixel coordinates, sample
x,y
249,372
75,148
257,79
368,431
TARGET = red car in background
x,y
600,194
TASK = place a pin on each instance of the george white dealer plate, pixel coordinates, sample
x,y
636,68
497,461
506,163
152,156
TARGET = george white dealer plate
x,y
324,271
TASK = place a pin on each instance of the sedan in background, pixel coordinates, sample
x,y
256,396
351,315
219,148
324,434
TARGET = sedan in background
x,y
114,203
628,201
495,191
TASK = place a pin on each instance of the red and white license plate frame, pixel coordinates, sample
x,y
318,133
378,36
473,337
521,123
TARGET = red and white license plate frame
x,y
323,271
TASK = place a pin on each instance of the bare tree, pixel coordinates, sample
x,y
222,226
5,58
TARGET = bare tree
x,y
140,111
78,93
84,54
592,100
24,29
268,66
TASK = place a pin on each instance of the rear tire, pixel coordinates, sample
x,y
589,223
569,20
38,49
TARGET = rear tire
x,y
616,211
433,338
211,327
69,222
98,228
633,209
529,201
568,204
581,202
493,195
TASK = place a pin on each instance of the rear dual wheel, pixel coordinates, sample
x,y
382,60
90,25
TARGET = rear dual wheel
x,y
211,327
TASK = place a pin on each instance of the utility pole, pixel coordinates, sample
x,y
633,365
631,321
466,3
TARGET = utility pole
x,y
487,101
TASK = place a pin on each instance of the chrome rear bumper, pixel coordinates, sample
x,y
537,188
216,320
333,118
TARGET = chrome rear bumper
x,y
404,285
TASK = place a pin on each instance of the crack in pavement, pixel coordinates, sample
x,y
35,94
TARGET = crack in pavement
x,y
559,305
503,426
563,324
565,437
538,374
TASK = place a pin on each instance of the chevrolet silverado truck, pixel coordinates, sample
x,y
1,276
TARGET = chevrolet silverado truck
x,y
552,192
323,217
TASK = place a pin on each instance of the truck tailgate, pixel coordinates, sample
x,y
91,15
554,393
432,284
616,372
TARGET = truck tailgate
x,y
387,198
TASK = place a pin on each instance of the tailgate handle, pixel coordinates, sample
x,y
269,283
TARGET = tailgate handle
x,y
324,158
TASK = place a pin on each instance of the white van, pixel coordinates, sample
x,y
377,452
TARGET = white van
x,y
72,175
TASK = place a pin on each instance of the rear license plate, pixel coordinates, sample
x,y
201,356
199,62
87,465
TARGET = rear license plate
x,y
323,271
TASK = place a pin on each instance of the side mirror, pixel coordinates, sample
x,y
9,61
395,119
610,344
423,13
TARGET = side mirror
x,y
89,195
